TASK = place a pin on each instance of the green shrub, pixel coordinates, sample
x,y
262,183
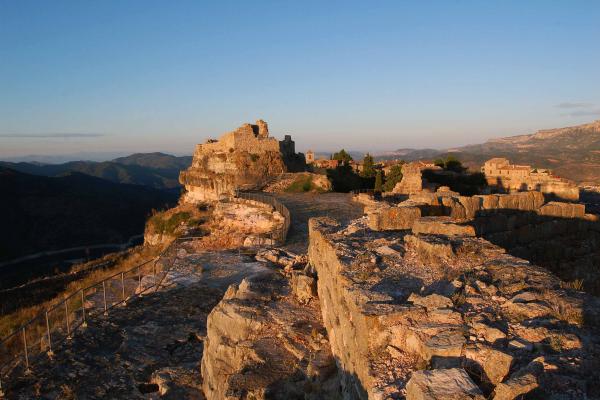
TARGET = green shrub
x,y
301,184
167,226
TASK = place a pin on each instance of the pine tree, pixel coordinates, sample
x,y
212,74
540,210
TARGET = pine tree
x,y
378,182
343,156
368,170
393,177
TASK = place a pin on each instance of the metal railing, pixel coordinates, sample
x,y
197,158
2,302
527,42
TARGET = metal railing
x,y
41,335
276,235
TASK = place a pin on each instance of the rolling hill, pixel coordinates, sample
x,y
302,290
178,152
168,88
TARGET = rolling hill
x,y
49,213
156,170
571,152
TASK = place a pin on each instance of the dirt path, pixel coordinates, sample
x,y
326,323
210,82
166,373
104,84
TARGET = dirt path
x,y
304,206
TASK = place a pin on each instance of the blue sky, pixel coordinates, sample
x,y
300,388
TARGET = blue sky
x,y
125,76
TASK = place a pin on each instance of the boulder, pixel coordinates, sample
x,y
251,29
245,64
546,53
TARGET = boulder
x,y
521,382
442,384
490,334
304,287
494,364
431,302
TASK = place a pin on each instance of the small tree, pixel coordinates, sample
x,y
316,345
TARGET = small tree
x,y
453,164
439,163
393,177
343,156
378,182
368,170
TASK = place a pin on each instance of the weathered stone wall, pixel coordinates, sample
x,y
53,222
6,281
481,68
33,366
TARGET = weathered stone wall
x,y
556,235
431,316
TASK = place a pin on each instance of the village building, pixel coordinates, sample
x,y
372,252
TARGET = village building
x,y
325,163
502,176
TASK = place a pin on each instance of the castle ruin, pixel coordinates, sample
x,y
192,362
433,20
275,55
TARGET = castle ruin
x,y
243,159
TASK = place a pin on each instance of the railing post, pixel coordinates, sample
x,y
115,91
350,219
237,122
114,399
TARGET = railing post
x,y
123,287
26,353
154,276
50,353
139,281
84,324
154,272
67,318
104,296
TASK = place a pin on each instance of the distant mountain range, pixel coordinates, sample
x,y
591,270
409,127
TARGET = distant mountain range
x,y
571,152
157,170
49,213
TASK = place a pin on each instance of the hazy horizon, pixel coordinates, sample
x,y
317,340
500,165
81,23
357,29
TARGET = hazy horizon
x,y
126,77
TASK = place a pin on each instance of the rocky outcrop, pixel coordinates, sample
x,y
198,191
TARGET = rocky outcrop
x,y
424,315
246,158
262,343
299,182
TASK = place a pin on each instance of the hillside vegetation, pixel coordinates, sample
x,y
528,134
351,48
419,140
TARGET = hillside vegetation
x,y
43,213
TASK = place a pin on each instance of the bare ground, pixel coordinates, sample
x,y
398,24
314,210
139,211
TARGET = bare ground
x,y
304,206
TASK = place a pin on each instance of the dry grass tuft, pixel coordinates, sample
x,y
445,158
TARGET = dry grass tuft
x,y
577,284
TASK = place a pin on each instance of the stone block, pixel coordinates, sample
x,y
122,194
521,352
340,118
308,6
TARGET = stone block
x,y
393,218
562,210
441,226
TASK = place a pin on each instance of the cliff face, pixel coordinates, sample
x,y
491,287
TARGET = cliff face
x,y
432,316
245,158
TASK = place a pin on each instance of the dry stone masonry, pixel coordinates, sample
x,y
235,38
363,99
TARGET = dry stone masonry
x,y
419,314
559,236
